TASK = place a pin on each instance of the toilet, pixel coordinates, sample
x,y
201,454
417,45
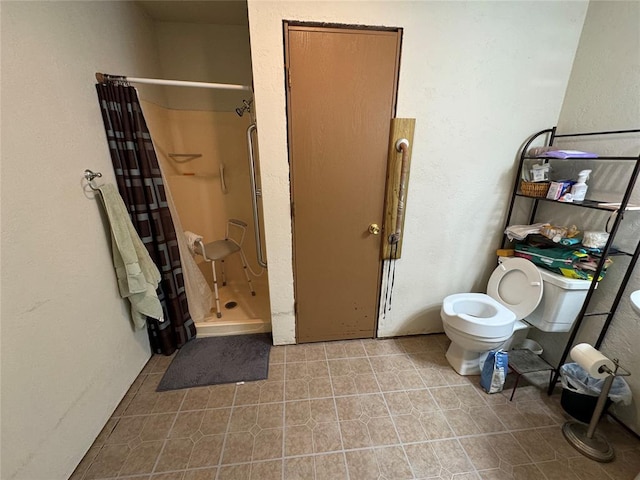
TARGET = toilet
x,y
477,323
519,296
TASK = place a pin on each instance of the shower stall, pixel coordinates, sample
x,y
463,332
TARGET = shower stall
x,y
211,176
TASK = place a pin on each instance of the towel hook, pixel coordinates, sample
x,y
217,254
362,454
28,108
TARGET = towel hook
x,y
90,176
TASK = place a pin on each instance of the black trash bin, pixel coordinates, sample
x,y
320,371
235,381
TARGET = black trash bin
x,y
581,406
580,392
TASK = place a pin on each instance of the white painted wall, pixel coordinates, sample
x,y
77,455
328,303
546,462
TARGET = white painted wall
x,y
478,77
603,95
69,352
204,53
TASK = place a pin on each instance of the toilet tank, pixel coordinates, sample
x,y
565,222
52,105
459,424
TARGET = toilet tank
x,y
562,299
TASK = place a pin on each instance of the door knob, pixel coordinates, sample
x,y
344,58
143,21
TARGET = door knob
x,y
374,229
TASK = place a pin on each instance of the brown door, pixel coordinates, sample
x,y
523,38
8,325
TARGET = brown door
x,y
341,98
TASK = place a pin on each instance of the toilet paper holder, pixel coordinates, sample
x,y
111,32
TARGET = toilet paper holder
x,y
584,438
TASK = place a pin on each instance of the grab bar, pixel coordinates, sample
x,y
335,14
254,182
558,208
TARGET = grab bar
x,y
402,145
255,193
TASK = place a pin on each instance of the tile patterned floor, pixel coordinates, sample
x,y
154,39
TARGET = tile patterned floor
x,y
355,410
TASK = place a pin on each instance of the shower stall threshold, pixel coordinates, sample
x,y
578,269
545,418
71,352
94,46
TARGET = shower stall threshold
x,y
221,327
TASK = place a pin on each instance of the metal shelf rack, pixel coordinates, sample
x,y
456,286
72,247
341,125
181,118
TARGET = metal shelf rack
x,y
551,135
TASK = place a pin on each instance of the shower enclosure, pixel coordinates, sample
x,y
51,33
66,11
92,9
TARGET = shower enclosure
x,y
205,158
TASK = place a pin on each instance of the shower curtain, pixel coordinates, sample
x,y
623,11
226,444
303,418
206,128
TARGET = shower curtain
x,y
141,186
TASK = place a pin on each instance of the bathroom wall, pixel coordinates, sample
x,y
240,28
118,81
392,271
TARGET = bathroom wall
x,y
603,95
69,352
205,53
479,77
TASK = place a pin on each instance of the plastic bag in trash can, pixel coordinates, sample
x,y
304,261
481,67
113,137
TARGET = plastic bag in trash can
x,y
577,379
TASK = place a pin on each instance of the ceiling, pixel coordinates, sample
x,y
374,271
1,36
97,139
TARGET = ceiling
x,y
219,12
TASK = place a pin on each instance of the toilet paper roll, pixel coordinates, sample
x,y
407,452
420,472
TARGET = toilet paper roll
x,y
591,360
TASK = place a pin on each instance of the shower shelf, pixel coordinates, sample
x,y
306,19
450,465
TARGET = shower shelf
x,y
187,157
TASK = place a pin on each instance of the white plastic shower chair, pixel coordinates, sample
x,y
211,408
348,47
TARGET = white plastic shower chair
x,y
221,249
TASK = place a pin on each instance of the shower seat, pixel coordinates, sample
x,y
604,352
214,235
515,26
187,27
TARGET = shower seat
x,y
218,250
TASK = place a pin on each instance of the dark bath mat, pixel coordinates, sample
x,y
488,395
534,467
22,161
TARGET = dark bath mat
x,y
215,360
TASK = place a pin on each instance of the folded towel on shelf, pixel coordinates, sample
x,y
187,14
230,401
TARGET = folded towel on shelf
x,y
520,232
192,238
137,275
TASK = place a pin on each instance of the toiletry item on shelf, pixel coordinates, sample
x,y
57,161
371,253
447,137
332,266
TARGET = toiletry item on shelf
x,y
558,188
568,154
579,189
595,239
537,151
557,233
540,173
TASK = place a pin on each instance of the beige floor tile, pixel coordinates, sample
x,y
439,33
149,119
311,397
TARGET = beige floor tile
x,y
243,418
161,476
296,390
271,470
186,424
221,396
238,448
297,412
195,399
318,369
343,386
298,440
382,431
451,454
393,463
330,466
268,444
480,452
354,434
423,460
389,382
461,422
201,474
206,451
276,355
247,394
175,455
234,472
215,421
409,429
108,462
508,449
362,465
323,410
142,458
270,415
295,371
272,392
326,437
445,397
299,468
322,415
320,387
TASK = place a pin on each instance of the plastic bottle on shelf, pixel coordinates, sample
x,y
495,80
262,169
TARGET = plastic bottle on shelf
x,y
579,189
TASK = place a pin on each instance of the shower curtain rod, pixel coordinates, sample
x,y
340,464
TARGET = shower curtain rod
x,y
103,77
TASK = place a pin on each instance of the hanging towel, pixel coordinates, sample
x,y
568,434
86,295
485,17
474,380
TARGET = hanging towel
x,y
192,238
138,276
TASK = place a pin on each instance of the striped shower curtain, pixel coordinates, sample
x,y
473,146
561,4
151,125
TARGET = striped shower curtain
x,y
142,189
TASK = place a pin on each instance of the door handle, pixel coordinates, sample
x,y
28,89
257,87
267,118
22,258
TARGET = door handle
x,y
374,229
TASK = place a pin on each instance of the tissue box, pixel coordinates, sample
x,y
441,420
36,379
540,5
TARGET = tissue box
x,y
559,188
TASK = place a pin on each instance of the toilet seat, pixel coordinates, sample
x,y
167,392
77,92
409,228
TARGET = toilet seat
x,y
516,284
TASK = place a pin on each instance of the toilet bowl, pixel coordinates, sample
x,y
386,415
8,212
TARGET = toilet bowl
x,y
477,323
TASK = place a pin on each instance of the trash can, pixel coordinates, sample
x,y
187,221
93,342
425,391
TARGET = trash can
x,y
580,392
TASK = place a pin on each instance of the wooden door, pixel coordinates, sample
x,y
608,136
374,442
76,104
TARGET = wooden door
x,y
341,98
